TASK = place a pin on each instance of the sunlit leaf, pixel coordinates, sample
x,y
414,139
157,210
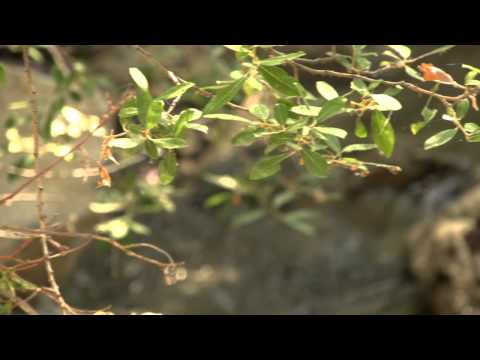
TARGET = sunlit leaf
x,y
386,102
383,133
139,78
358,147
440,138
281,59
326,90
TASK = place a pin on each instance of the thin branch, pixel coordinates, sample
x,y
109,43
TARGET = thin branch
x,y
176,79
41,216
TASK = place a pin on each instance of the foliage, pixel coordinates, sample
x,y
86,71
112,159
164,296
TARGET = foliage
x,y
296,127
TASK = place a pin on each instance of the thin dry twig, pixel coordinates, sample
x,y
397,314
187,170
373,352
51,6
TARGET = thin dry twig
x,y
41,216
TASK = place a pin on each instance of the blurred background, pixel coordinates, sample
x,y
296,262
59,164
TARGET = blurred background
x,y
384,244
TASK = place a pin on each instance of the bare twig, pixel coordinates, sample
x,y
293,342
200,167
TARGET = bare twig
x,y
41,216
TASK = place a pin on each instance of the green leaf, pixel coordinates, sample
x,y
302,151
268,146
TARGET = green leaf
x,y
228,117
359,86
462,107
151,149
124,143
267,166
315,163
224,96
170,143
279,80
332,108
248,217
139,78
217,199
413,73
280,113
471,128
440,138
305,110
143,104
358,147
185,117
383,133
300,220
277,140
154,114
402,50
326,90
128,112
441,49
330,140
244,138
197,127
360,129
473,82
428,115
176,91
140,229
168,168
2,74
386,102
278,60
260,111
332,131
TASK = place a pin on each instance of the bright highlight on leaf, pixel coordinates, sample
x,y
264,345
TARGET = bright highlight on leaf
x,y
139,78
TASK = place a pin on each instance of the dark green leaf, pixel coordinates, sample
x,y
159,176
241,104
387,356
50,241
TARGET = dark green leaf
x,y
315,163
267,166
280,113
224,96
279,80
462,107
332,108
151,150
168,168
176,91
143,104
